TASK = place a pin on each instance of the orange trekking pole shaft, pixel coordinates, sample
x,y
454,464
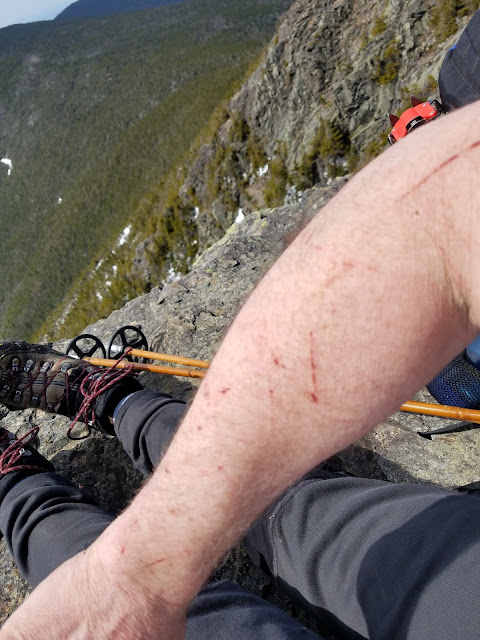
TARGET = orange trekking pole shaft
x,y
140,366
442,410
153,355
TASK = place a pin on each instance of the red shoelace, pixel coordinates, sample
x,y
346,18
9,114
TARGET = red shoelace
x,y
91,387
15,450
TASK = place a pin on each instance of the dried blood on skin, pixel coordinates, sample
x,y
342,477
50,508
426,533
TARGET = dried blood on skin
x,y
312,362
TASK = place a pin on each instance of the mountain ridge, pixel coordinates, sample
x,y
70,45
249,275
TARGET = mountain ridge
x,y
99,8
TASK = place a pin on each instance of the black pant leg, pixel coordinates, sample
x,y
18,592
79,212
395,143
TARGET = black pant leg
x,y
327,541
46,520
145,425
225,611
374,559
459,79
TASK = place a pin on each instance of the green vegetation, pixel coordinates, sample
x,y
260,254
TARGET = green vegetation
x,y
375,147
431,85
332,148
90,8
388,64
445,14
241,133
276,186
165,218
95,113
365,40
379,26
229,172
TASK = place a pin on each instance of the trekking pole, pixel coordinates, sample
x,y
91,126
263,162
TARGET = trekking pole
x,y
153,355
442,410
140,366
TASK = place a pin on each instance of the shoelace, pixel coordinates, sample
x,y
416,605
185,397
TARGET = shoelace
x,y
93,385
15,451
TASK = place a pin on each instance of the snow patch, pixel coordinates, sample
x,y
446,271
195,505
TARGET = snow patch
x,y
196,213
9,164
108,283
240,216
293,195
99,296
115,269
173,275
262,171
124,235
60,200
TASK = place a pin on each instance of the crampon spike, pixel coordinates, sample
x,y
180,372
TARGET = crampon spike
x,y
415,101
393,119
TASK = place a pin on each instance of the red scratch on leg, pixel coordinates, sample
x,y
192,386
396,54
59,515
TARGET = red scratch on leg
x,y
313,396
436,170
312,363
441,166
152,564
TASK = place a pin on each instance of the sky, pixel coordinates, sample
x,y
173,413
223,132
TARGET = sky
x,y
30,10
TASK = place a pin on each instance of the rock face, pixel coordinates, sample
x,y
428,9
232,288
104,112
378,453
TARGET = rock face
x,y
315,108
190,317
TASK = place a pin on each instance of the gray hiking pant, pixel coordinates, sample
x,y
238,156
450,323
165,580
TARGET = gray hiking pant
x,y
370,559
459,78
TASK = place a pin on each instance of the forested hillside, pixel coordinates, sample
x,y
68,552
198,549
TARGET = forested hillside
x,y
91,8
93,112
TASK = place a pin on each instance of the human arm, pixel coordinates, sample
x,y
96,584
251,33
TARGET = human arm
x,y
386,273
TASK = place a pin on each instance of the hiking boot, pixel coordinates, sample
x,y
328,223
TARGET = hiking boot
x,y
35,376
19,459
17,454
